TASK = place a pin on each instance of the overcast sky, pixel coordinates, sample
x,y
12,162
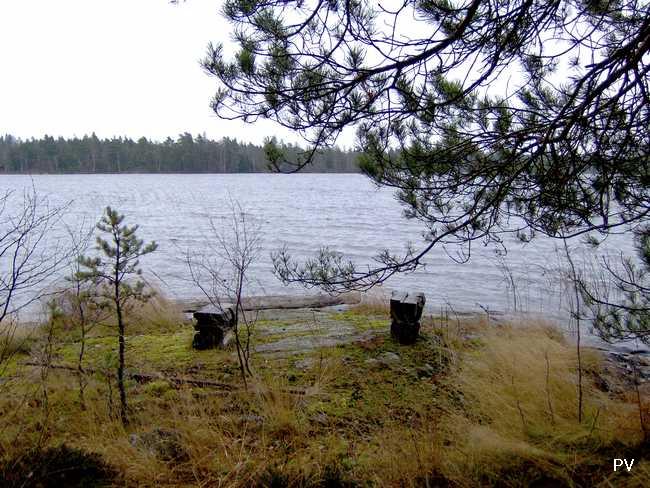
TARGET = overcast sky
x,y
118,67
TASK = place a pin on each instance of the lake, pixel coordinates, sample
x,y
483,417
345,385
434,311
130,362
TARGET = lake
x,y
304,212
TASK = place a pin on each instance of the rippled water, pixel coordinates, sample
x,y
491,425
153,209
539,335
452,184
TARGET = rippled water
x,y
304,211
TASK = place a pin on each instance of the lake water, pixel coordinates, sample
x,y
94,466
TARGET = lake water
x,y
304,212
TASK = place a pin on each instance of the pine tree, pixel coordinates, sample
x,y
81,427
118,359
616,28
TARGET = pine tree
x,y
490,118
119,261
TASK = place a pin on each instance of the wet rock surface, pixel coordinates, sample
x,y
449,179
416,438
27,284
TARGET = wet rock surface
x,y
385,360
304,364
425,371
286,332
632,364
329,338
389,357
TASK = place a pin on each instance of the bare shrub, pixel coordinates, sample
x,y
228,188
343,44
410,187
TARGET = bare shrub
x,y
29,257
222,274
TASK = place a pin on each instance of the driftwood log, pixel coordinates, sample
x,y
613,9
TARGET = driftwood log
x,y
405,311
281,302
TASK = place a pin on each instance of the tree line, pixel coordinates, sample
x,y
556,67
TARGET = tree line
x,y
185,154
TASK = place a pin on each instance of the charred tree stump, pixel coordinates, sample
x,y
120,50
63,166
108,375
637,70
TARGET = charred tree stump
x,y
214,327
405,311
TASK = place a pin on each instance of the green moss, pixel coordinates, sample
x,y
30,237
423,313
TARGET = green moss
x,y
11,366
358,394
268,338
370,394
361,321
163,350
337,405
171,351
157,388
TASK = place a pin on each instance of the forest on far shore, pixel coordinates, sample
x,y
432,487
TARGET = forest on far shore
x,y
185,154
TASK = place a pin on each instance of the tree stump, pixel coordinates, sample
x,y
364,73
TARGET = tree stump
x,y
405,311
214,327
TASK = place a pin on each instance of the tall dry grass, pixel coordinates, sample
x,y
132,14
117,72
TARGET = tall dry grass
x,y
15,339
373,303
514,401
157,315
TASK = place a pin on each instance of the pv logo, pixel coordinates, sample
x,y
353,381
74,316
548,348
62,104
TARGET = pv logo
x,y
618,463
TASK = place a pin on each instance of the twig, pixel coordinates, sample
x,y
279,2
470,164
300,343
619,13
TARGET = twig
x,y
548,391
521,411
593,424
639,403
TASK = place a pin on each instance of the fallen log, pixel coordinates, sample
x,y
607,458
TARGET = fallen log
x,y
143,377
147,377
280,302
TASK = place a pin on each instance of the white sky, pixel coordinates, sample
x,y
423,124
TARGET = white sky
x,y
118,67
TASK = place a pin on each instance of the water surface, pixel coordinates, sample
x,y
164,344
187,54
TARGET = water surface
x,y
305,212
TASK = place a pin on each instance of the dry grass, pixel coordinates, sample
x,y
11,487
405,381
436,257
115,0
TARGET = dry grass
x,y
375,303
499,409
513,402
15,339
157,315
524,379
401,456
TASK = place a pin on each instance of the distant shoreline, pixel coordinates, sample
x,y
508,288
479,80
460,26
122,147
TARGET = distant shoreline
x,y
185,154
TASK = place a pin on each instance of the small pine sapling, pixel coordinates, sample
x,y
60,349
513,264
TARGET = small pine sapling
x,y
119,261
